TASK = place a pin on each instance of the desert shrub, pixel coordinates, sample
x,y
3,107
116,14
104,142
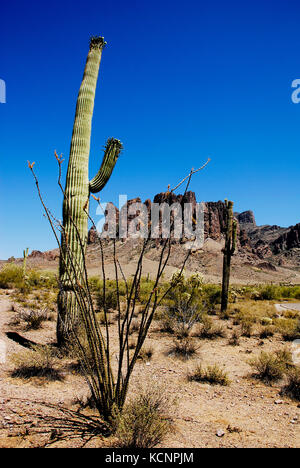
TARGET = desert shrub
x,y
208,330
34,318
144,422
211,296
110,301
146,353
41,279
166,324
11,276
269,367
213,375
292,388
285,356
134,327
234,340
266,332
291,314
146,286
104,318
289,328
269,292
246,327
184,347
36,362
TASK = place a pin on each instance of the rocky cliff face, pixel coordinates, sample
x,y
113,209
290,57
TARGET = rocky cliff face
x,y
246,219
287,241
261,241
214,216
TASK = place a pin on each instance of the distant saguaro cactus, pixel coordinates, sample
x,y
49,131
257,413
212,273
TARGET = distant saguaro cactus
x,y
229,249
78,189
25,256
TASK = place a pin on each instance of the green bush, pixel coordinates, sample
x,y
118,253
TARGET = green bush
x,y
269,292
213,375
270,367
11,276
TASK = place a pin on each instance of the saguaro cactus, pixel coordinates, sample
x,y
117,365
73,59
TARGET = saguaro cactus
x,y
25,256
77,192
229,249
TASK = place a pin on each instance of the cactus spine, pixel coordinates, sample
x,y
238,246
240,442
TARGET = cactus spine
x,y
229,249
78,189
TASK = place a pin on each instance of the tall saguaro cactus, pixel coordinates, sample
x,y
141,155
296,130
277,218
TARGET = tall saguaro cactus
x,y
77,192
25,256
229,249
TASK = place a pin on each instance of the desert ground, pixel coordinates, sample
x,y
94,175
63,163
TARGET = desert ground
x,y
248,412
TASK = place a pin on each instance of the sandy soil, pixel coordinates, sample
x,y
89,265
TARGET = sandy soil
x,y
247,405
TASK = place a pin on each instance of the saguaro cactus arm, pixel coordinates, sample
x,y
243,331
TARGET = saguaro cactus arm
x,y
234,236
112,150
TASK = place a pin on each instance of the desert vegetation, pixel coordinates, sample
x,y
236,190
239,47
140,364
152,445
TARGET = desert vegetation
x,y
187,323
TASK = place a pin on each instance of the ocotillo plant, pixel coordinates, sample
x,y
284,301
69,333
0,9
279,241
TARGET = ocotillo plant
x,y
78,189
229,249
25,255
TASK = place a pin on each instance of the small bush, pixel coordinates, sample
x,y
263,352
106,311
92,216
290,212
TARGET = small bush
x,y
34,318
184,348
234,340
134,327
104,318
110,300
210,331
38,362
291,331
213,375
269,292
167,324
292,388
146,353
144,422
11,276
246,327
270,367
266,332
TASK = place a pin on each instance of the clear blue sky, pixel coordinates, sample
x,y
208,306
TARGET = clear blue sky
x,y
179,81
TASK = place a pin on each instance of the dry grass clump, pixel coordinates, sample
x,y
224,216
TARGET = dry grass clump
x,y
266,332
208,330
290,329
234,340
213,375
292,388
145,421
146,353
271,367
184,347
105,318
167,325
134,327
253,311
36,362
33,319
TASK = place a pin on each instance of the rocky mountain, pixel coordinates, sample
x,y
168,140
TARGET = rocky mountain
x,y
261,242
